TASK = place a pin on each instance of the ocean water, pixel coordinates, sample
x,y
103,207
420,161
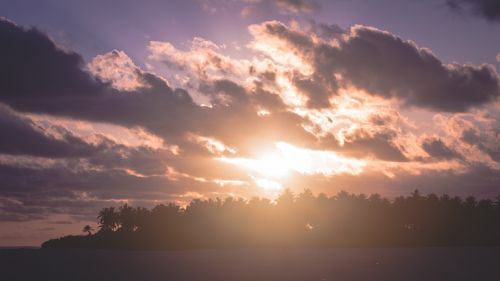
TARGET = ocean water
x,y
422,264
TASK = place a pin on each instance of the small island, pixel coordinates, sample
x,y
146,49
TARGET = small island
x,y
296,220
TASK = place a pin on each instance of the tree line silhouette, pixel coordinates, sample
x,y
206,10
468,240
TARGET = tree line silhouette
x,y
302,220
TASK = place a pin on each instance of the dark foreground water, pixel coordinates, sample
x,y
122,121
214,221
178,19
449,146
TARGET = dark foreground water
x,y
423,264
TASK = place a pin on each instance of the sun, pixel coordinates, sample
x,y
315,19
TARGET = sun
x,y
270,165
270,168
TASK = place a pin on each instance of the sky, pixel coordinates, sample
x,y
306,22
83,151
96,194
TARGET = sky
x,y
149,102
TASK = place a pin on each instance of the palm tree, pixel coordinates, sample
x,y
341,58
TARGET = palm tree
x,y
108,219
126,218
88,229
286,199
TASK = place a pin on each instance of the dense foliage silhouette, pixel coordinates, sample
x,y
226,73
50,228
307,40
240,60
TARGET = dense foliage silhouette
x,y
302,220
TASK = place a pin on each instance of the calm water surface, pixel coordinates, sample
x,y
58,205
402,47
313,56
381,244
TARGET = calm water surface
x,y
421,264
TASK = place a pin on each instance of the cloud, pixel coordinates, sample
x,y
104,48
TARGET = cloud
x,y
21,136
74,172
61,87
487,9
317,92
34,67
254,7
435,147
472,137
118,69
381,145
326,31
486,141
298,6
248,11
203,58
30,193
14,210
146,100
39,77
25,138
323,90
385,65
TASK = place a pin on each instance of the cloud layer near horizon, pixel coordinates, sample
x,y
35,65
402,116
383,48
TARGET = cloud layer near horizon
x,y
360,109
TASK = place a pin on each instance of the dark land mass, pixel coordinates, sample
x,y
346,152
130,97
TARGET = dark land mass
x,y
296,221
419,264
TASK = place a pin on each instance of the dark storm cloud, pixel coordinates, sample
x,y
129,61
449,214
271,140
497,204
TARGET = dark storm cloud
x,y
487,9
436,148
388,66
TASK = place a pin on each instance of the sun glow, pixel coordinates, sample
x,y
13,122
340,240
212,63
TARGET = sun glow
x,y
268,185
269,168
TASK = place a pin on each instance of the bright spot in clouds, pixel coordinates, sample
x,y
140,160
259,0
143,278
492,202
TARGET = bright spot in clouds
x,y
271,167
268,185
308,161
